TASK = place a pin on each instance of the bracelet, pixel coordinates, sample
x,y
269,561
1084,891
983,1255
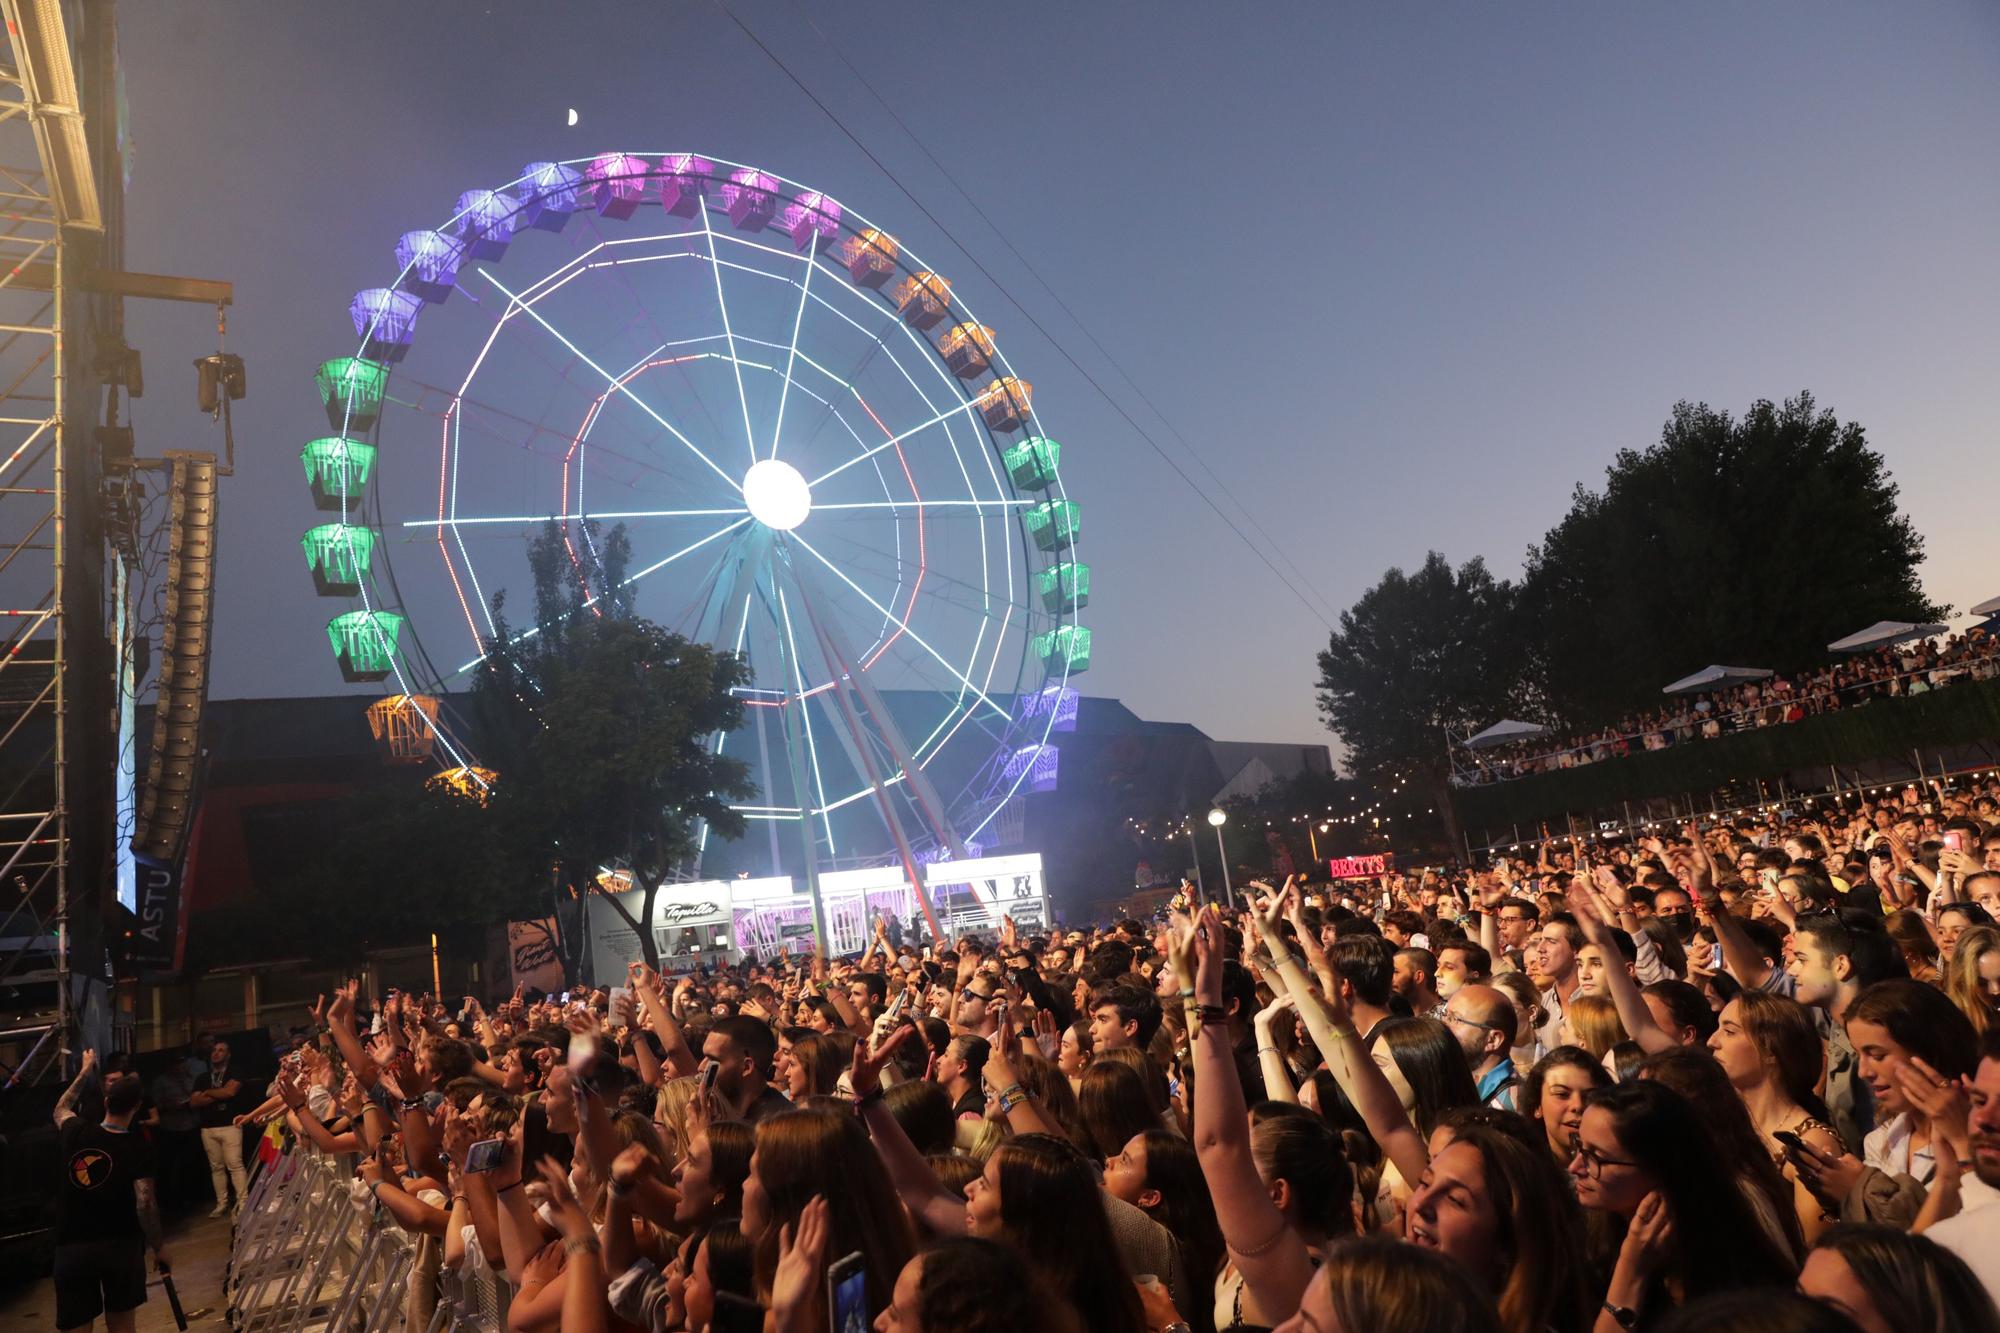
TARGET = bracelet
x,y
1344,1033
1187,992
868,1099
1211,1013
504,1188
580,1245
1011,1090
1269,1050
1279,958
620,1188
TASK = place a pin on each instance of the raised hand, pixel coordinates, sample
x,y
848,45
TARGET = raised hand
x,y
633,1165
1649,1241
570,1218
801,1265
869,1062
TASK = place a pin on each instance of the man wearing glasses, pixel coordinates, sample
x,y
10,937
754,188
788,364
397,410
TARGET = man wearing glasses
x,y
1482,1019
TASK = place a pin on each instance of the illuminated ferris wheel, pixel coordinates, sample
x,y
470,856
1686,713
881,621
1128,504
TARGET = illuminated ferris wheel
x,y
821,458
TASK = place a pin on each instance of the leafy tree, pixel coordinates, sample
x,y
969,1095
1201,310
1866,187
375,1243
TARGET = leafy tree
x,y
1416,656
599,726
1751,542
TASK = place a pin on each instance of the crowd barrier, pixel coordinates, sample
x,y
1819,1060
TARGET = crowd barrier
x,y
307,1256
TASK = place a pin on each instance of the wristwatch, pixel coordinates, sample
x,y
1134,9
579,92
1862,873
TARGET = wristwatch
x,y
1626,1316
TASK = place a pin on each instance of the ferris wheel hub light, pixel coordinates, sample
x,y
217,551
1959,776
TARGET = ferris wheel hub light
x,y
777,494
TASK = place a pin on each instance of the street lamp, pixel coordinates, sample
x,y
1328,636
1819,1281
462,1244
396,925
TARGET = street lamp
x,y
1313,838
1217,819
1200,888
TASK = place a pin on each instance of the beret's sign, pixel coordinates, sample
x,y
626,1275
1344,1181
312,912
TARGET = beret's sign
x,y
1361,867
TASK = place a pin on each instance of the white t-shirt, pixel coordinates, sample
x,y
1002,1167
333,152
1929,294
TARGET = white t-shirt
x,y
1974,1235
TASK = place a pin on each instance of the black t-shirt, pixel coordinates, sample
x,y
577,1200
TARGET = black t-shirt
x,y
217,1114
769,1102
99,1167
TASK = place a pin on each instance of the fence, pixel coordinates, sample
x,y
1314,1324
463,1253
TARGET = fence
x,y
307,1256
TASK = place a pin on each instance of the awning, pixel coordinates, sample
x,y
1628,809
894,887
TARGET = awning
x,y
1710,677
1505,732
1989,607
1882,634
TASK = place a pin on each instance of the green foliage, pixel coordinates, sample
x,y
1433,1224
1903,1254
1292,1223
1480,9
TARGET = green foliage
x,y
600,725
1752,542
1415,655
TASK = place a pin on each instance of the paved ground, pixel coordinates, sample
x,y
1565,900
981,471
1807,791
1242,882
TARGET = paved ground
x,y
199,1248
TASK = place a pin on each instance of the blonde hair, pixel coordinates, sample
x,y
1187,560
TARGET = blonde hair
x,y
1593,1019
1962,976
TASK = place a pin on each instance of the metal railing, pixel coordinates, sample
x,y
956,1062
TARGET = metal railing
x,y
307,1256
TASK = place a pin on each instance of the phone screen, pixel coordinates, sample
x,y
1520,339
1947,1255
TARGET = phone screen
x,y
483,1155
709,1069
847,1294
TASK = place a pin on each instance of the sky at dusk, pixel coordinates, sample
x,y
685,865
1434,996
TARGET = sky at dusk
x,y
1401,274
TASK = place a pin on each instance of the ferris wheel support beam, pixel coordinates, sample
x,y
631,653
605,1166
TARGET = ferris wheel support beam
x,y
854,736
796,735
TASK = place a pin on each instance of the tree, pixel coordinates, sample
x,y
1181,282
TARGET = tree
x,y
599,725
1417,656
1750,542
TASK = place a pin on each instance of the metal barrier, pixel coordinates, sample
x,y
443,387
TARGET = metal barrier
x,y
306,1256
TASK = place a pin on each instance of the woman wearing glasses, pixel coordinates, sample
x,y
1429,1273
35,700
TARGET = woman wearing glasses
x,y
1642,1162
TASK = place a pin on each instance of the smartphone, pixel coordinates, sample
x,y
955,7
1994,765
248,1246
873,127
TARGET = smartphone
x,y
1715,959
483,1155
736,1314
1794,1145
709,1069
847,1294
1954,840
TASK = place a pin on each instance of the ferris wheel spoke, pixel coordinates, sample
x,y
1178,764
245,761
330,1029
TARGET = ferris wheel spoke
x,y
792,353
805,708
729,334
910,506
619,515
894,440
901,624
612,380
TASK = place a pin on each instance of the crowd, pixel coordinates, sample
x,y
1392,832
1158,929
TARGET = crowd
x,y
1743,1078
1896,672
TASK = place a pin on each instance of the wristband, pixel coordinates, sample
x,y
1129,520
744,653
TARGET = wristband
x,y
504,1188
580,1244
619,1189
1187,992
1279,958
1211,1013
868,1099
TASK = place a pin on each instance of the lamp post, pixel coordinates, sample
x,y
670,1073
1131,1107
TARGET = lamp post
x,y
1314,839
1217,818
1200,888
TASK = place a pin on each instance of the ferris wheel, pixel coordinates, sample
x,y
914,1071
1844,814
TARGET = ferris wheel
x,y
821,458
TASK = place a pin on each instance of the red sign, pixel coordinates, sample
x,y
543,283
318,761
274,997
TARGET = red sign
x,y
1362,867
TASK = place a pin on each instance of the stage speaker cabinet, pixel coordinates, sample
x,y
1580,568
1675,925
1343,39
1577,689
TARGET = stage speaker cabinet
x,y
166,801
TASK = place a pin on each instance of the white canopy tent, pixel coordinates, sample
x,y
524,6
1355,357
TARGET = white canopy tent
x,y
1989,607
1505,732
1710,677
1882,634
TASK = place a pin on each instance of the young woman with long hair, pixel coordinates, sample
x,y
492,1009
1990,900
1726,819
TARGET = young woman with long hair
x,y
1040,1195
1740,1152
1770,1050
1643,1162
970,1285
1973,978
1159,1172
1502,1210
1552,1095
1372,1282
810,1152
1112,1106
1887,1279
1591,1021
1910,1043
